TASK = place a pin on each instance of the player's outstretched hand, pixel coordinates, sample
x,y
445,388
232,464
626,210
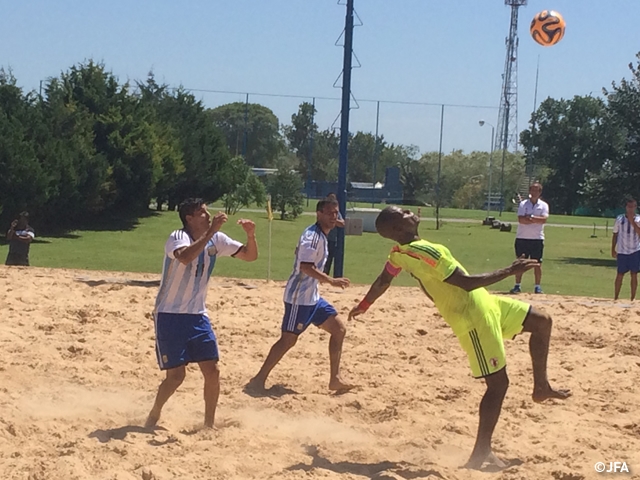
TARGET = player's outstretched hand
x,y
248,226
218,220
355,311
340,282
523,264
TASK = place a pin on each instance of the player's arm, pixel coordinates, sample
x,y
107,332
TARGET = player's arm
x,y
186,255
538,219
471,282
309,268
636,227
614,242
249,251
25,238
377,289
12,230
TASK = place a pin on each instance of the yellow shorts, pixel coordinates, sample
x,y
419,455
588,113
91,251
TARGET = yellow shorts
x,y
484,344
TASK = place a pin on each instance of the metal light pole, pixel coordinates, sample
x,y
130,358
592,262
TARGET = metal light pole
x,y
338,268
482,122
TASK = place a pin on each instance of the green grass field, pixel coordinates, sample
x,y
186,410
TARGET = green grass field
x,y
456,213
574,263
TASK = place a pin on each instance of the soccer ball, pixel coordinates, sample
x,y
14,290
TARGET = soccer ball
x,y
547,28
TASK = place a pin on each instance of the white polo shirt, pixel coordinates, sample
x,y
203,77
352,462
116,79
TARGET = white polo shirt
x,y
628,240
532,231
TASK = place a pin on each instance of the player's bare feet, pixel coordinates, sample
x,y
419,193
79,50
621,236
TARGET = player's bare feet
x,y
255,385
337,385
152,419
545,393
476,461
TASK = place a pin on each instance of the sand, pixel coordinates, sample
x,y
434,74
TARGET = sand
x,y
78,375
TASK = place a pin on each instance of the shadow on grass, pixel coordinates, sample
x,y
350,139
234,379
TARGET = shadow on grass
x,y
592,262
370,470
110,223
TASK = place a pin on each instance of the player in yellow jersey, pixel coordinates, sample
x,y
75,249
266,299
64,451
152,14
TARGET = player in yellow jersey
x,y
480,320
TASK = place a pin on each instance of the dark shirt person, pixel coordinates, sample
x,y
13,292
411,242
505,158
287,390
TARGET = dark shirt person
x,y
20,236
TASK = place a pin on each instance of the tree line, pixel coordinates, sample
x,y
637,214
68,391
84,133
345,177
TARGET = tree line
x,y
88,147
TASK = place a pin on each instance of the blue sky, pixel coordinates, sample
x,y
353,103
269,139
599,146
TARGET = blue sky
x,y
436,51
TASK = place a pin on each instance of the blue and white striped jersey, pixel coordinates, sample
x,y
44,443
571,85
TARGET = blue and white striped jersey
x,y
628,240
183,288
302,289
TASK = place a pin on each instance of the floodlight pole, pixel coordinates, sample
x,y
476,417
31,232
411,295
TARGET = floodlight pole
x,y
338,269
375,156
310,149
439,170
246,122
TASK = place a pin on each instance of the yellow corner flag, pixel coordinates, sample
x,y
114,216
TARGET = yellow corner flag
x,y
269,212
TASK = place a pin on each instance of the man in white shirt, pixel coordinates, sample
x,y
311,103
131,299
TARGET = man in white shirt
x,y
532,215
183,330
625,246
303,305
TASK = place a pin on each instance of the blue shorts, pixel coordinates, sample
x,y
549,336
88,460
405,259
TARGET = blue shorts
x,y
183,338
298,317
628,263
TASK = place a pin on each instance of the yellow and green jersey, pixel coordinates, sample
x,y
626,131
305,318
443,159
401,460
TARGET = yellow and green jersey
x,y
431,264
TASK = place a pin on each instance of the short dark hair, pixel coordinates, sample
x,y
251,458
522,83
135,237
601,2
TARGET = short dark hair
x,y
324,202
189,207
628,199
384,217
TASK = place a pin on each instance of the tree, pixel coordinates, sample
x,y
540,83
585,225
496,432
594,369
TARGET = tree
x,y
248,189
302,130
285,189
621,169
572,139
263,139
24,180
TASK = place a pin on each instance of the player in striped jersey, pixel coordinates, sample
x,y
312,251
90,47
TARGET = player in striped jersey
x,y
625,246
303,305
480,320
183,330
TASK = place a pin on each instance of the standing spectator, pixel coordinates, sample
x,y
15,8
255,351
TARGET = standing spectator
x,y
625,246
532,215
332,237
20,236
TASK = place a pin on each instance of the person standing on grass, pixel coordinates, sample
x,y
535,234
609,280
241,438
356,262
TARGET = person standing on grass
x,y
481,321
183,330
532,215
303,304
20,236
332,238
625,246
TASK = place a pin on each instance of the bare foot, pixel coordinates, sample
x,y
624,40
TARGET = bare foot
x,y
476,461
541,394
152,420
255,385
337,385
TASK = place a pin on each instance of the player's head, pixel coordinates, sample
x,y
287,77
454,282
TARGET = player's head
x,y
630,205
327,213
397,224
23,219
193,213
535,190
